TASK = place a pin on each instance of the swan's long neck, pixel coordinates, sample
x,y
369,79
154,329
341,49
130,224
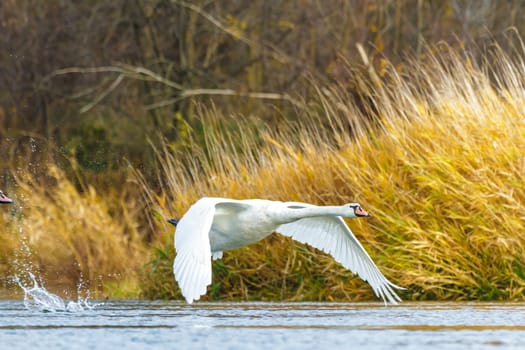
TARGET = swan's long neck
x,y
293,214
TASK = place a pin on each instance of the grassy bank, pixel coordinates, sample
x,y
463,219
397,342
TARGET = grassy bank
x,y
437,155
69,236
438,159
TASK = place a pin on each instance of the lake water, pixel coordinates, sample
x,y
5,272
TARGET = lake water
x,y
130,325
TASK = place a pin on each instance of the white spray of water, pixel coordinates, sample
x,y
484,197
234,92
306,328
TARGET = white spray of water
x,y
38,298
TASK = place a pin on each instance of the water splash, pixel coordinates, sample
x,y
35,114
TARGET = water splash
x,y
38,298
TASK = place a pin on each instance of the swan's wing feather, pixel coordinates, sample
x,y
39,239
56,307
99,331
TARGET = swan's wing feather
x,y
192,265
331,235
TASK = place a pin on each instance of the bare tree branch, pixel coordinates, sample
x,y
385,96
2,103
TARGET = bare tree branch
x,y
141,73
123,69
275,53
226,92
100,97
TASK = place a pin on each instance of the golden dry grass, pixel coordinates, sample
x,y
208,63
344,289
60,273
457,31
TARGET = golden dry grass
x,y
437,156
441,169
66,236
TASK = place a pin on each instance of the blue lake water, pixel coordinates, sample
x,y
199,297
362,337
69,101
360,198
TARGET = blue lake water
x,y
245,325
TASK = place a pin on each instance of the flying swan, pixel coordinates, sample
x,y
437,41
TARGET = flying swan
x,y
213,225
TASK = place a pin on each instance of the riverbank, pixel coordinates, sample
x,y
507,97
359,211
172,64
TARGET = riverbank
x,y
437,157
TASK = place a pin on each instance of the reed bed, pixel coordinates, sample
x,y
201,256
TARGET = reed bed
x,y
434,149
437,157
70,237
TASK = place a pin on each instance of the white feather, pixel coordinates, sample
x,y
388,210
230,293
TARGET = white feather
x,y
339,241
192,265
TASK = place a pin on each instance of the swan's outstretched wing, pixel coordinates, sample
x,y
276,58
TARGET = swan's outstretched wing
x,y
192,265
332,235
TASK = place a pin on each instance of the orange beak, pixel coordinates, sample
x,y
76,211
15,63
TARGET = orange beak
x,y
360,212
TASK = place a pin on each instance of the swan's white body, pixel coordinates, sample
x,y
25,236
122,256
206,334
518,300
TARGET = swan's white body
x,y
213,225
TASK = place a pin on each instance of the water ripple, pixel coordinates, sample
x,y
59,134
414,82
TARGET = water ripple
x,y
140,324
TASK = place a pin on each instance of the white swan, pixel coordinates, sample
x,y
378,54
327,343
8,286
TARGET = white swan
x,y
213,225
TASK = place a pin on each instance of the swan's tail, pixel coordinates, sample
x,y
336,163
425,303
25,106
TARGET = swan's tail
x,y
174,222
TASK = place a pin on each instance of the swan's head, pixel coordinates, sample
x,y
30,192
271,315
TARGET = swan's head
x,y
357,211
5,199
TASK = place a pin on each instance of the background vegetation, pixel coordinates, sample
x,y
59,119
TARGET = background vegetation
x,y
117,114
